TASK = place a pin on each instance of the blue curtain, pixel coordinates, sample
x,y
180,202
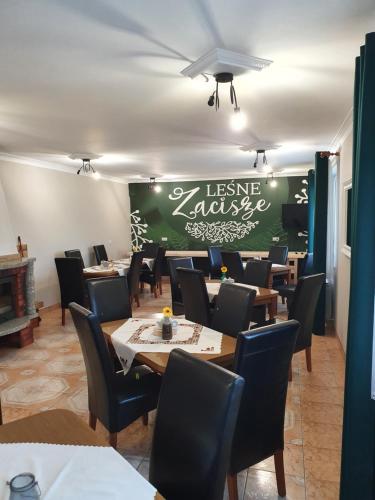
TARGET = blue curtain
x,y
358,454
320,236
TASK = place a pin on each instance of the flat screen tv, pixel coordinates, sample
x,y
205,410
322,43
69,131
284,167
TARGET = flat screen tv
x,y
294,216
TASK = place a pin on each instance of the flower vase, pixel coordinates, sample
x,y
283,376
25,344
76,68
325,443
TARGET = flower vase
x,y
223,277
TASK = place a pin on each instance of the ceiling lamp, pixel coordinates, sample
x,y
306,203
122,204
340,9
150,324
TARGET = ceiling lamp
x,y
238,120
153,187
272,181
88,169
264,162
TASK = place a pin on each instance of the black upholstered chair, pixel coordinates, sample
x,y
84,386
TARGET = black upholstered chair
x,y
262,358
116,400
194,295
215,261
76,254
278,255
257,273
71,281
153,277
133,276
287,291
100,253
303,309
233,261
109,298
196,416
233,309
150,249
173,264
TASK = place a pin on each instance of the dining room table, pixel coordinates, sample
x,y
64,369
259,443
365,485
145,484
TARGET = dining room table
x,y
119,267
264,296
140,338
35,442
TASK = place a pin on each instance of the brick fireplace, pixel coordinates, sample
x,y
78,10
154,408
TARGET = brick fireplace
x,y
18,316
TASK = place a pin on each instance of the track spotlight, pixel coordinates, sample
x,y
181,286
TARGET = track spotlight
x,y
88,169
153,187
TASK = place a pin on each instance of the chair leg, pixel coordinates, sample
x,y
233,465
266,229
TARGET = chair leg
x,y
280,474
136,298
308,359
142,286
145,419
160,288
155,291
283,300
92,421
290,377
113,439
63,316
232,486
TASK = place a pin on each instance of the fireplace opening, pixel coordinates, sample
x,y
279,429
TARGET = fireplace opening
x,y
7,309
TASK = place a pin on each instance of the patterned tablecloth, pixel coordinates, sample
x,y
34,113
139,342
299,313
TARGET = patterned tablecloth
x,y
144,335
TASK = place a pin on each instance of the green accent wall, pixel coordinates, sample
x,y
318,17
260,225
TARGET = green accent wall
x,y
239,214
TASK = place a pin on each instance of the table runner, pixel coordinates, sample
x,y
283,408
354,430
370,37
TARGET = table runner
x,y
143,335
73,472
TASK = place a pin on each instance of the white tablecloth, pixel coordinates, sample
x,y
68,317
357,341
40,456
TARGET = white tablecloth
x,y
142,335
121,268
146,260
73,472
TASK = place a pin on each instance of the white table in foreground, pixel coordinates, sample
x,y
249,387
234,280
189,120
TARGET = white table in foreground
x,y
264,296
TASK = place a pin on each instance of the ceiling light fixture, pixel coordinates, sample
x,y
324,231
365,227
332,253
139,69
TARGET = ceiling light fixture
x,y
238,120
153,187
88,169
264,161
272,180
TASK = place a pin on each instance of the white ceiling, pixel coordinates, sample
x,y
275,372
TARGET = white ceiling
x,y
104,76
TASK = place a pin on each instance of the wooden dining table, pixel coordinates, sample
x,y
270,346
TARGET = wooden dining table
x,y
264,296
158,361
53,427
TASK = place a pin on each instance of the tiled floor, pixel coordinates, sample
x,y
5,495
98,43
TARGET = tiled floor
x,y
51,374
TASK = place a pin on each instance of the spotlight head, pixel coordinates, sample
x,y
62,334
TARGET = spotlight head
x,y
273,183
157,188
255,164
238,120
211,100
96,175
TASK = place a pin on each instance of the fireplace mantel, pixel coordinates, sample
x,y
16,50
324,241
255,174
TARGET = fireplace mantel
x,y
20,328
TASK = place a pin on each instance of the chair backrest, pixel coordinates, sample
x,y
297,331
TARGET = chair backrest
x,y
197,413
173,264
100,253
278,255
194,295
71,281
99,368
215,261
233,261
158,264
150,249
262,358
308,265
134,272
303,307
76,254
257,272
233,308
109,298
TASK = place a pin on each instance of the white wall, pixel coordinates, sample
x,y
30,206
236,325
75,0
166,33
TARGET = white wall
x,y
343,260
54,211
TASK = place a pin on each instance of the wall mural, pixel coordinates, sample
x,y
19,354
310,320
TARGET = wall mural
x,y
242,214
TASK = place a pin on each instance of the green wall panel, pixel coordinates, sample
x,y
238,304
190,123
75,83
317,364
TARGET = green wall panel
x,y
242,214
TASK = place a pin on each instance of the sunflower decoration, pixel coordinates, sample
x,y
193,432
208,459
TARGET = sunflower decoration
x,y
167,312
224,271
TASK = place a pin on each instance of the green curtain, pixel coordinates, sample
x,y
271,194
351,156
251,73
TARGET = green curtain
x,y
320,236
358,453
311,210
